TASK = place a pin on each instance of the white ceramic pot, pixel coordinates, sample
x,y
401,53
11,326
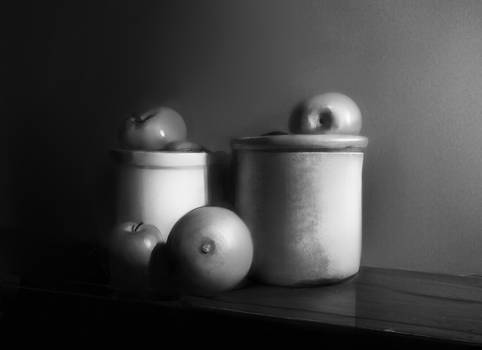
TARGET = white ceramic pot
x,y
301,196
158,188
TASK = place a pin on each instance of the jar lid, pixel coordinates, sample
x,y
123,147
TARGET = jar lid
x,y
302,143
160,159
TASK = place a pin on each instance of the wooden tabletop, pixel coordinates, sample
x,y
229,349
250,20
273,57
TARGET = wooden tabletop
x,y
416,304
387,304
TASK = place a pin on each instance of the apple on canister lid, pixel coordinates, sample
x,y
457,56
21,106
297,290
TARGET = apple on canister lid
x,y
329,113
130,248
152,130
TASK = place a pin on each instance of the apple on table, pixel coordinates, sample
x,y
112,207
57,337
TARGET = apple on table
x,y
210,251
131,246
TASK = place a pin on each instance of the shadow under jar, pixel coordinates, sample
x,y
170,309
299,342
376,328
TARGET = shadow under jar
x,y
301,197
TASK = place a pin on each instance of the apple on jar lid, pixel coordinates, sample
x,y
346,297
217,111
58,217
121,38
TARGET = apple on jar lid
x,y
329,113
152,130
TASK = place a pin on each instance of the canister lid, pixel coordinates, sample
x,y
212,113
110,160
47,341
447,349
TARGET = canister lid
x,y
160,159
307,143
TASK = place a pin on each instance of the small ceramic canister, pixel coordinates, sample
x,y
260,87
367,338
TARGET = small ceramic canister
x,y
301,197
159,187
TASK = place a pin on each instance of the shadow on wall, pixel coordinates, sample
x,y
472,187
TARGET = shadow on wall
x,y
65,78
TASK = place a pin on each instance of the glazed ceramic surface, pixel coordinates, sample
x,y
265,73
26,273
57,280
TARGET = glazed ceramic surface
x,y
158,188
301,199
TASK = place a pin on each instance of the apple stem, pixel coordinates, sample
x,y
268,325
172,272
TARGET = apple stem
x,y
144,117
207,247
326,118
136,227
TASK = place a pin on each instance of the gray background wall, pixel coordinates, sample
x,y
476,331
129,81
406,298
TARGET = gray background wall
x,y
73,70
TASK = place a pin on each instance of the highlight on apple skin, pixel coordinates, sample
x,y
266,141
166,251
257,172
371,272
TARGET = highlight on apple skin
x,y
152,130
329,113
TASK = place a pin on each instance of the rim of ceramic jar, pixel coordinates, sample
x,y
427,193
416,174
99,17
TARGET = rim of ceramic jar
x,y
302,143
161,159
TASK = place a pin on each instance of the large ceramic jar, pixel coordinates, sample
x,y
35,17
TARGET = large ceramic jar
x,y
301,197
